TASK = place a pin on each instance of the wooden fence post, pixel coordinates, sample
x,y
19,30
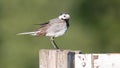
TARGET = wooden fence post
x,y
56,58
73,59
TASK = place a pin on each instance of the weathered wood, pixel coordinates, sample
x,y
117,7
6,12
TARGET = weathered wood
x,y
56,58
73,59
97,61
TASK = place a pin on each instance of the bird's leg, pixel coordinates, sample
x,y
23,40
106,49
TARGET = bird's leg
x,y
53,43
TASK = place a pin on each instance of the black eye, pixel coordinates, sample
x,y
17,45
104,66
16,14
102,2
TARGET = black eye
x,y
64,16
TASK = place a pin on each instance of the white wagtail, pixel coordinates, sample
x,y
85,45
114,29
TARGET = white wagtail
x,y
53,28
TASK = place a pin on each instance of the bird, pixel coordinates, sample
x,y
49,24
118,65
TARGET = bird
x,y
52,28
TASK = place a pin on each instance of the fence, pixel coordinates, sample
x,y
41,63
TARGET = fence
x,y
74,59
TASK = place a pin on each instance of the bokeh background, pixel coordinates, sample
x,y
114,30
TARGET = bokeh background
x,y
94,28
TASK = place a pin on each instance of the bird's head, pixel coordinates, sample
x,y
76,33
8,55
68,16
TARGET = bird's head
x,y
64,16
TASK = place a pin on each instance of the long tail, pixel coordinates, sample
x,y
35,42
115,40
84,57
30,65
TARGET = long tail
x,y
34,33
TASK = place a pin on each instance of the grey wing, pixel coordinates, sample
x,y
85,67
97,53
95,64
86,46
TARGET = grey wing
x,y
48,22
55,20
57,25
43,24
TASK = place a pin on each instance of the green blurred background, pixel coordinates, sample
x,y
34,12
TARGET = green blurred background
x,y
94,28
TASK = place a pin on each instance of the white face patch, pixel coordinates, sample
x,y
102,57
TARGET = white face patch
x,y
64,16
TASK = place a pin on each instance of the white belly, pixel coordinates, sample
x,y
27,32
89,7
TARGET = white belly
x,y
56,34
